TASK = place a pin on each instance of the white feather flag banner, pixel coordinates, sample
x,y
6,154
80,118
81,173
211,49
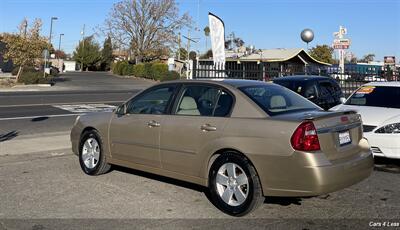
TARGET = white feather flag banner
x,y
217,34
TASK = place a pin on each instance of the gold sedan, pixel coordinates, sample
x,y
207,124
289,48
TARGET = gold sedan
x,y
242,139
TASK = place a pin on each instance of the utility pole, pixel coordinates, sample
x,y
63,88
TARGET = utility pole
x,y
188,46
25,27
179,46
58,56
189,39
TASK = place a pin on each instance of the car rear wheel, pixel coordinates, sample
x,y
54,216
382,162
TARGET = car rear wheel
x,y
234,185
91,156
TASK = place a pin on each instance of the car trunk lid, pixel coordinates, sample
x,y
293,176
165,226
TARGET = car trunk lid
x,y
338,132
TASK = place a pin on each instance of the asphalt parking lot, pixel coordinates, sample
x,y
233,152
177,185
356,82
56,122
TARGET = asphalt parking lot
x,y
50,186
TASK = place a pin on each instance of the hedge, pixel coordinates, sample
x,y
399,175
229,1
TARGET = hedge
x,y
139,70
156,71
171,75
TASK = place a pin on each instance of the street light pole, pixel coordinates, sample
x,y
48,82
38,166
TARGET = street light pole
x,y
83,45
51,27
45,56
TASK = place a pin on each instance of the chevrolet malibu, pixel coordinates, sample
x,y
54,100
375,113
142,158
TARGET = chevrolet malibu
x,y
242,139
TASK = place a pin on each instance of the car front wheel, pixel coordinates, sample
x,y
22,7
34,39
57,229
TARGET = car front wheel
x,y
91,156
234,185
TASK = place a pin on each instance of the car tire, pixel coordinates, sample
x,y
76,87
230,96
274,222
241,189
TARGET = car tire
x,y
91,156
231,193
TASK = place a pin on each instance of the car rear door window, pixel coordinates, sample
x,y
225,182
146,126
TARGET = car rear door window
x,y
202,100
152,102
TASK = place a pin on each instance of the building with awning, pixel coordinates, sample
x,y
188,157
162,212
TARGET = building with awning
x,y
269,62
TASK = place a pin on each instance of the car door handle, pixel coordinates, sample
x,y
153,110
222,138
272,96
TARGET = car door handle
x,y
153,124
208,127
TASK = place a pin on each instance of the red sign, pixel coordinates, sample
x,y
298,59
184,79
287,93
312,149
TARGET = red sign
x,y
389,60
340,46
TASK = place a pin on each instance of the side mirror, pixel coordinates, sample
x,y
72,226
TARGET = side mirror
x,y
342,100
121,110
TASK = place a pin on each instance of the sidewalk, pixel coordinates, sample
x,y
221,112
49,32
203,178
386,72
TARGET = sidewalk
x,y
28,88
43,142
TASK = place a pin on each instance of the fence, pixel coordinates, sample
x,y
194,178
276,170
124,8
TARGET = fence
x,y
351,79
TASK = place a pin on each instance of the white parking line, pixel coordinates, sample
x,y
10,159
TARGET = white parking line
x,y
86,108
31,117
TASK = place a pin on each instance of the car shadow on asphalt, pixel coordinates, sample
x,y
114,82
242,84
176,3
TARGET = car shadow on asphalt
x,y
387,165
42,118
283,201
164,179
8,136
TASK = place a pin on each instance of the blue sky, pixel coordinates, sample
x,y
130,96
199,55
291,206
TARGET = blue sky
x,y
373,25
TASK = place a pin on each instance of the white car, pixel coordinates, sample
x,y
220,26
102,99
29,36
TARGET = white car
x,y
374,78
379,106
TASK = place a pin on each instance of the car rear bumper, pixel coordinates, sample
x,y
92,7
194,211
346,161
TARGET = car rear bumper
x,y
384,145
303,181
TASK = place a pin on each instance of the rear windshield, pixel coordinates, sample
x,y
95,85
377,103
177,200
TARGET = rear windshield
x,y
297,86
378,96
274,99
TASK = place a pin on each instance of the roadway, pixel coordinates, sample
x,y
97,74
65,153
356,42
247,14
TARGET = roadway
x,y
30,112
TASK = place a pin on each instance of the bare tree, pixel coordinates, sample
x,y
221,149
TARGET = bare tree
x,y
146,27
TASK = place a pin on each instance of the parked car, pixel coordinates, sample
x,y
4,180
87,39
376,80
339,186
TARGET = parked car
x,y
340,76
242,139
379,106
374,78
323,91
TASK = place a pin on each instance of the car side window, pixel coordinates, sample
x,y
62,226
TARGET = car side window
x,y
152,102
199,100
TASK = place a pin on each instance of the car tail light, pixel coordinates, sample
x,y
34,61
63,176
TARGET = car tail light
x,y
305,137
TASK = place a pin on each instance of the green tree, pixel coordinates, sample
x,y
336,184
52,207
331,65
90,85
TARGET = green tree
x,y
87,53
25,48
207,55
322,53
367,58
106,54
60,54
192,55
207,34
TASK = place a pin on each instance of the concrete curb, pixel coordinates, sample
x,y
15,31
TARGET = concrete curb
x,y
32,85
44,142
27,88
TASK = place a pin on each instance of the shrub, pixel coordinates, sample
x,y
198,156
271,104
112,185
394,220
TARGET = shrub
x,y
34,77
147,70
127,70
14,72
171,75
158,71
138,70
119,67
114,67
